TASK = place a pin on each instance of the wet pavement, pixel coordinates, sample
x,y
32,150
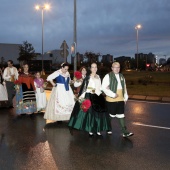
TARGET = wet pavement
x,y
28,143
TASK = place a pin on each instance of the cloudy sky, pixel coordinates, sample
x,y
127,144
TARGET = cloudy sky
x,y
105,26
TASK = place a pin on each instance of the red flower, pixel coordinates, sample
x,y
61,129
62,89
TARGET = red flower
x,y
77,74
85,105
17,82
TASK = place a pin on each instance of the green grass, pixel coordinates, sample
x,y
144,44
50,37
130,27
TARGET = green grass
x,y
156,77
148,83
151,90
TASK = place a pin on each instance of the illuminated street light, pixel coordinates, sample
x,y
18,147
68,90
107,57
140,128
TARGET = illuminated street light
x,y
42,8
74,54
75,35
137,30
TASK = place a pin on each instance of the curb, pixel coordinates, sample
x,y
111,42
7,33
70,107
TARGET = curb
x,y
150,98
141,97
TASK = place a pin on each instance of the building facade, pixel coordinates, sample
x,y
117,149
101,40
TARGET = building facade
x,y
11,52
107,59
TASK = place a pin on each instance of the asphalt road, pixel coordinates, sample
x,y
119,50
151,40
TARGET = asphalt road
x,y
24,145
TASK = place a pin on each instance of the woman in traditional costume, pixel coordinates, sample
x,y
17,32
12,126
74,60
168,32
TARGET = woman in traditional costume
x,y
61,102
40,92
78,80
25,93
94,118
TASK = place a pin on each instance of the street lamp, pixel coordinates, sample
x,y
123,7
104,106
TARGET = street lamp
x,y
137,30
42,8
73,54
75,35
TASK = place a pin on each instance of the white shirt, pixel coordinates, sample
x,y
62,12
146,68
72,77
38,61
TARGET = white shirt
x,y
79,83
94,83
106,89
56,74
10,71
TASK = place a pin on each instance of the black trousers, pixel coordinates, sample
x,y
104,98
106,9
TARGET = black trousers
x,y
10,91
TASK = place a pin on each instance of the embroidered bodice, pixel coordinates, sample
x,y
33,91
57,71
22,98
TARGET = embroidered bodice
x,y
63,80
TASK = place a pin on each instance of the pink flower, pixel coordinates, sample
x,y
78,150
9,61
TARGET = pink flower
x,y
85,105
77,75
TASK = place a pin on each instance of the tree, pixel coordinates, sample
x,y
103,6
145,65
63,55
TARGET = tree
x,y
26,52
2,62
168,61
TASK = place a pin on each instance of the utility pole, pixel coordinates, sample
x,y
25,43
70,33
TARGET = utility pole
x,y
75,36
137,41
165,57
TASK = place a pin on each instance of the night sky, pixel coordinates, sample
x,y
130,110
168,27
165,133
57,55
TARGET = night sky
x,y
105,26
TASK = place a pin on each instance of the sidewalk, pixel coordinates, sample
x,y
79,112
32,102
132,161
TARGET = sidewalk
x,y
135,97
150,98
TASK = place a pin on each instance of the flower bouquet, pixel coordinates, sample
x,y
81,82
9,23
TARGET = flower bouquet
x,y
85,105
17,84
77,76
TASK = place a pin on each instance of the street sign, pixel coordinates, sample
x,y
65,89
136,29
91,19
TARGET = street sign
x,y
64,45
64,52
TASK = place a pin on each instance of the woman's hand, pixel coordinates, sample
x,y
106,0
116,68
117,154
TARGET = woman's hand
x,y
116,95
53,84
72,81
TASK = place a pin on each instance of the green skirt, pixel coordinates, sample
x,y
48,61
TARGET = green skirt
x,y
96,119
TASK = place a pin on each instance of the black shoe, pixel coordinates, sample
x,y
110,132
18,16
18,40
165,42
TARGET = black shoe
x,y
10,107
125,135
109,132
99,134
71,130
91,134
59,122
32,116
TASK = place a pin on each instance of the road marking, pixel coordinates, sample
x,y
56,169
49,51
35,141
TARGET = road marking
x,y
160,127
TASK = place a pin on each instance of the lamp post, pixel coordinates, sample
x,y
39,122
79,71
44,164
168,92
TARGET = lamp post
x,y
74,54
165,57
75,35
42,8
137,39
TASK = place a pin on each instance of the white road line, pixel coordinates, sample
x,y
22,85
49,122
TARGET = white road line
x,y
160,127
